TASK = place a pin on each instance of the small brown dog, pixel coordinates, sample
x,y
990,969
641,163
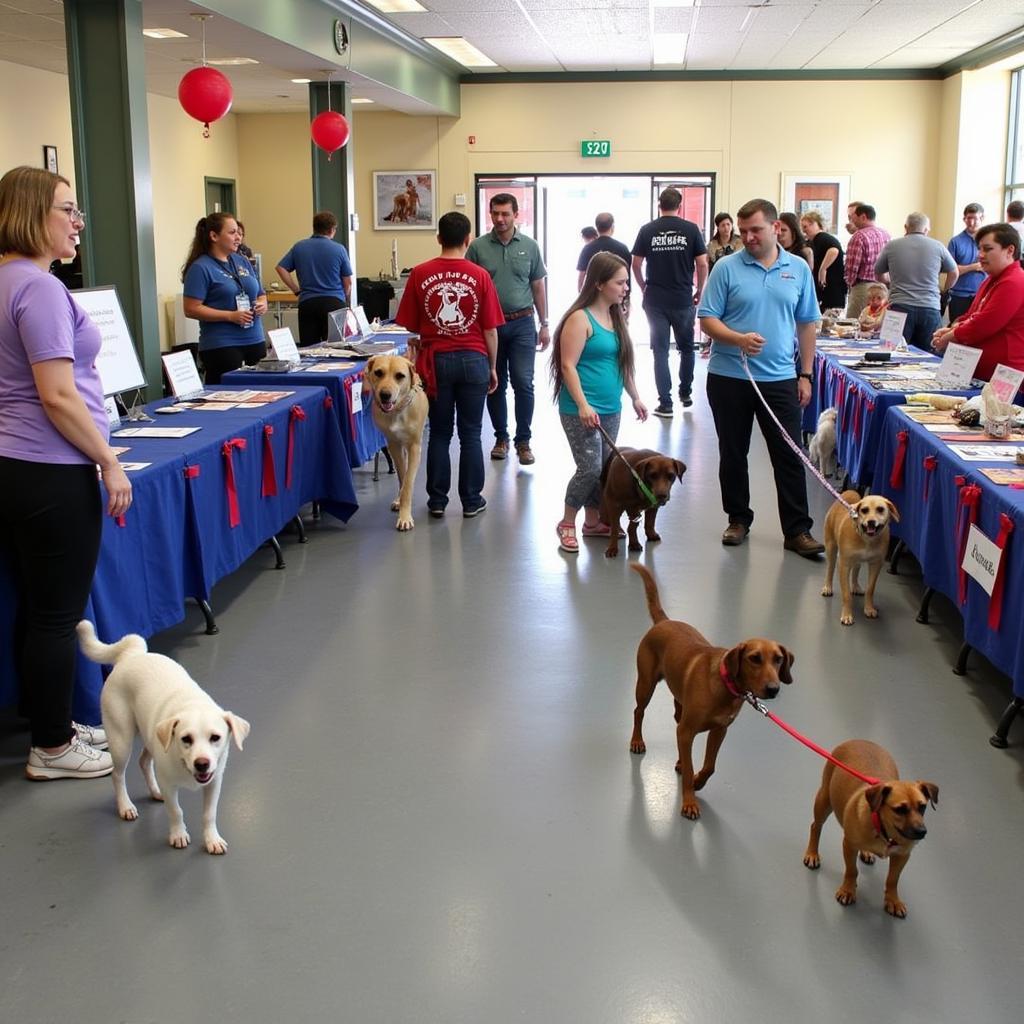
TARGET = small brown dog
x,y
620,493
885,819
399,409
691,668
864,540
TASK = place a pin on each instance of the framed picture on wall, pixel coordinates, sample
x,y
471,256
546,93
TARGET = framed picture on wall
x,y
50,159
828,194
404,200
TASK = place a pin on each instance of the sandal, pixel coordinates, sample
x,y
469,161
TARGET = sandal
x,y
600,530
567,537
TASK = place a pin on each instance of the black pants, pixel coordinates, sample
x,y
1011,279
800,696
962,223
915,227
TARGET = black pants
x,y
734,405
958,305
313,318
50,524
218,361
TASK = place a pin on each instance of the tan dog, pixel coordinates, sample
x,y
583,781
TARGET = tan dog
x,y
864,540
405,205
399,410
883,820
620,493
691,668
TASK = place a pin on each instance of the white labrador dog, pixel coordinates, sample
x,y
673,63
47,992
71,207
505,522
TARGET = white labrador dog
x,y
185,735
822,449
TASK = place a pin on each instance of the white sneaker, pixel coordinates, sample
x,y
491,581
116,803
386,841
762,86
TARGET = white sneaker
x,y
78,761
91,735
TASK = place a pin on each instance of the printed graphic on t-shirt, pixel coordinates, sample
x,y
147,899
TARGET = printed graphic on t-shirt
x,y
670,241
451,302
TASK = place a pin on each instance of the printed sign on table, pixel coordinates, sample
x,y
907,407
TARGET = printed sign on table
x,y
1006,382
958,365
182,373
891,333
282,345
981,559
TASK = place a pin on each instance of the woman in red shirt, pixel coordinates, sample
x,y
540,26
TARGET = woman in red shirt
x,y
994,322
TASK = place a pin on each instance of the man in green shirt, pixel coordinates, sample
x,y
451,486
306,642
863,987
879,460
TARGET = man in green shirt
x,y
514,262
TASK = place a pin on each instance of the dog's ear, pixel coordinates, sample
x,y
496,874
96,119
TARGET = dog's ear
x,y
734,661
239,728
369,367
931,791
414,377
787,664
894,512
680,468
876,795
165,731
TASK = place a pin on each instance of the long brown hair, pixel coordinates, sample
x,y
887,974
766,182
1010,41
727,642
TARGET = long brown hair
x,y
26,195
201,240
601,269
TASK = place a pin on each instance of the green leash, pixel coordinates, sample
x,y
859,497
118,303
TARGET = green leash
x,y
644,489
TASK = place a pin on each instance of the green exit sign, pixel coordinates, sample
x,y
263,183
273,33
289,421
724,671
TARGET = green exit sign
x,y
596,147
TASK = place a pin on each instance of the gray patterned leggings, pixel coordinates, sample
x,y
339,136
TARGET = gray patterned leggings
x,y
589,451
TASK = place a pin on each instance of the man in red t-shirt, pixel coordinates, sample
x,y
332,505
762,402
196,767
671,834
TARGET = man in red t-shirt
x,y
453,307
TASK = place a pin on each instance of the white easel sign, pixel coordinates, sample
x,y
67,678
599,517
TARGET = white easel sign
x,y
1006,382
118,362
182,374
891,333
981,559
282,345
958,365
113,415
364,324
356,391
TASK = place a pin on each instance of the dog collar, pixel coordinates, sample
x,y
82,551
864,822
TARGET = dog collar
x,y
876,824
730,683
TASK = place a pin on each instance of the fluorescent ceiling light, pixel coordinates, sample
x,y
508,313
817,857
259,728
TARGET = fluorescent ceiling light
x,y
232,61
460,50
163,33
361,99
670,47
397,6
302,81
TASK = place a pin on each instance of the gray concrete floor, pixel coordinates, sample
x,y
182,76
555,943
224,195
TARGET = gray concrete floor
x,y
437,818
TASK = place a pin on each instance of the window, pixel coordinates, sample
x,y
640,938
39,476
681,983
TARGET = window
x,y
1015,140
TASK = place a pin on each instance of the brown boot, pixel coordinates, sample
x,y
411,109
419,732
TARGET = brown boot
x,y
804,545
525,455
735,534
500,449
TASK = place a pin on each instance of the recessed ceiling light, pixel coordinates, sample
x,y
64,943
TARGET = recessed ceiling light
x,y
460,50
302,81
361,99
231,61
670,47
397,6
163,33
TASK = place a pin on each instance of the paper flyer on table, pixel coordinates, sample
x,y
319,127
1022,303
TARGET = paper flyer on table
x,y
1001,475
985,452
156,432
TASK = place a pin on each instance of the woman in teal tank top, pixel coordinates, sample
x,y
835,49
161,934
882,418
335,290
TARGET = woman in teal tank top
x,y
591,364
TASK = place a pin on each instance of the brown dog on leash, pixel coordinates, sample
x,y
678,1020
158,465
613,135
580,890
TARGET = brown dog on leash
x,y
860,541
693,670
399,409
620,493
885,819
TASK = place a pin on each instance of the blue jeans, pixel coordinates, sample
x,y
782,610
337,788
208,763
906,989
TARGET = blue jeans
x,y
462,379
680,323
921,324
517,349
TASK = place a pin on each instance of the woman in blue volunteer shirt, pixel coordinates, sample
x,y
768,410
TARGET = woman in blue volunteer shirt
x,y
223,293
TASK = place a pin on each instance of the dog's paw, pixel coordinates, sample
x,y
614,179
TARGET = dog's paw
x,y
128,811
826,591
865,857
612,552
653,536
812,861
180,839
691,810
857,591
394,505
846,618
870,613
637,747
846,896
634,545
896,907
404,525
215,843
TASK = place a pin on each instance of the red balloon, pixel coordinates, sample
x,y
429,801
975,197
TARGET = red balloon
x,y
330,131
206,95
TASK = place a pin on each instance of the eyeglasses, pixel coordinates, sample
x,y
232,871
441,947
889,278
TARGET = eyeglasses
x,y
73,212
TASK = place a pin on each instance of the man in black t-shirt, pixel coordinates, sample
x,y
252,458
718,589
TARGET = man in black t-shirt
x,y
665,255
605,224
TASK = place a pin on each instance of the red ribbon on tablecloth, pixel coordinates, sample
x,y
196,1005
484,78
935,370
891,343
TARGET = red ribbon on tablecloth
x,y
191,472
121,520
841,402
967,513
929,462
858,399
228,450
269,487
297,413
995,604
896,476
328,402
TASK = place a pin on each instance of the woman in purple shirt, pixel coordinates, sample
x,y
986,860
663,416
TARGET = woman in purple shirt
x,y
53,434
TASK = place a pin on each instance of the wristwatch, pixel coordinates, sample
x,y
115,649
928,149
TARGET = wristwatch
x,y
806,376
543,323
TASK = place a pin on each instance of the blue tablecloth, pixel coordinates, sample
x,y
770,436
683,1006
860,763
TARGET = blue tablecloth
x,y
928,501
361,436
176,541
861,408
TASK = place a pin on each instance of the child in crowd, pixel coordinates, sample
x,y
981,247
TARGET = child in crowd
x,y
870,321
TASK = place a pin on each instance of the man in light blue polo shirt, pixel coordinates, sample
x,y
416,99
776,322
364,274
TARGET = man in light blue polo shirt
x,y
756,303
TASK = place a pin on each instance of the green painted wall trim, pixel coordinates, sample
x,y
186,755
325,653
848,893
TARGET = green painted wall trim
x,y
988,53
